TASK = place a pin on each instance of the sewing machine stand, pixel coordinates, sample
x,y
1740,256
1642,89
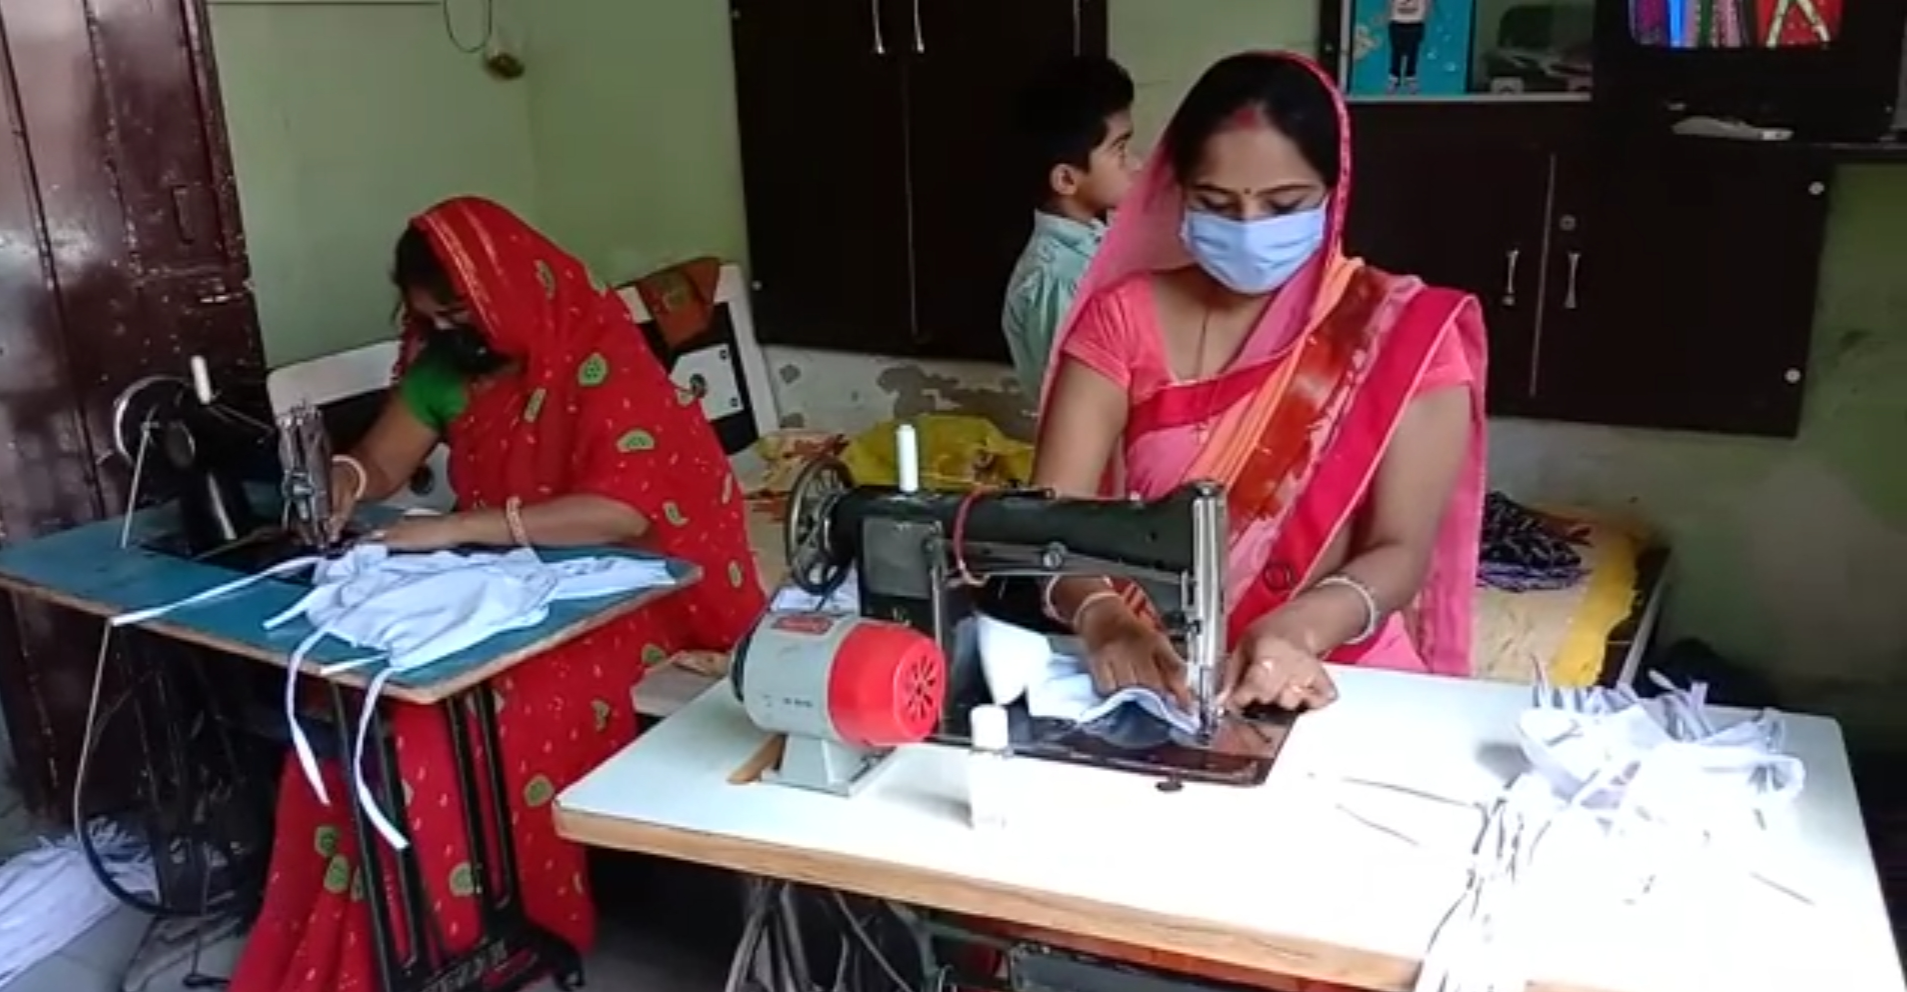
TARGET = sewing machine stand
x,y
959,954
514,951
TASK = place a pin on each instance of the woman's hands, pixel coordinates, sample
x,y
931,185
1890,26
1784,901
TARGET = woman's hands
x,y
427,533
1270,668
347,482
1123,649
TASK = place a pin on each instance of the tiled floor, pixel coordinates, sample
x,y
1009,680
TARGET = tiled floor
x,y
628,958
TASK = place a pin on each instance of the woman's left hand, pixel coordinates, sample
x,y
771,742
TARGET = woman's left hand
x,y
424,533
1271,668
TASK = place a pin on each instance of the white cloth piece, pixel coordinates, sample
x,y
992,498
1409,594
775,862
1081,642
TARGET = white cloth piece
x,y
49,896
411,610
846,599
1648,783
1012,658
1058,686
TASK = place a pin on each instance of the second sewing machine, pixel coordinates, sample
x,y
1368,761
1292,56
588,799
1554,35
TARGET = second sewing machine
x,y
189,445
935,562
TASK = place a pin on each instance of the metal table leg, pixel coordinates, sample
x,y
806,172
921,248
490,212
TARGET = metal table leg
x,y
511,951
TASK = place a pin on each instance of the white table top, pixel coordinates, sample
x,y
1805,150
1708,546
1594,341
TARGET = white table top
x,y
1280,877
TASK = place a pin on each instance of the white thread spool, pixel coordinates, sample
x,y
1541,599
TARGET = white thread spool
x,y
907,458
990,769
201,379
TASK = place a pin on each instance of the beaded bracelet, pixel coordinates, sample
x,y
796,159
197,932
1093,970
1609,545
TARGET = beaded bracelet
x,y
1372,615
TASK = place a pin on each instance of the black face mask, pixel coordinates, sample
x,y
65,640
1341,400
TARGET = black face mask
x,y
464,349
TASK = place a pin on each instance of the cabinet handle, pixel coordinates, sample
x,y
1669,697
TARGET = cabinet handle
x,y
1077,19
1509,276
874,10
1569,291
920,39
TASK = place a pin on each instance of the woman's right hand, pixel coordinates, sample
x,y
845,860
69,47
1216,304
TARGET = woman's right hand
x,y
346,484
1123,650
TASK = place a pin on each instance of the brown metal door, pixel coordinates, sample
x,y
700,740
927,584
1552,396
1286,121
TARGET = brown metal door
x,y
121,254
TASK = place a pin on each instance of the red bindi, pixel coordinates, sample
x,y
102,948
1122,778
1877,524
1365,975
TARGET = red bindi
x,y
1246,116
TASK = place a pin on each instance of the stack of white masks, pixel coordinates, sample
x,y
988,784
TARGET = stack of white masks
x,y
1652,781
409,611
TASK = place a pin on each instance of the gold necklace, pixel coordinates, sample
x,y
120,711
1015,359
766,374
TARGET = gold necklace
x,y
1204,427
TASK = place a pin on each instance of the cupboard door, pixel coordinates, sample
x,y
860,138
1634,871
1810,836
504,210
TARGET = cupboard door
x,y
970,207
819,108
1455,194
1696,281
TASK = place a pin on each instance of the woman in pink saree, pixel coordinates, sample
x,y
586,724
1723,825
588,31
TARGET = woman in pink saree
x,y
1223,335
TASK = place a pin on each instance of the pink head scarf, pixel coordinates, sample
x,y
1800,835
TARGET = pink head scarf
x,y
1144,237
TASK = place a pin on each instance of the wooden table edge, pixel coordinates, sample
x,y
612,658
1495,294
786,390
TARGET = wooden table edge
x,y
426,695
1303,958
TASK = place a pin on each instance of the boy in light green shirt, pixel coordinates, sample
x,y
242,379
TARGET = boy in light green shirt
x,y
1075,126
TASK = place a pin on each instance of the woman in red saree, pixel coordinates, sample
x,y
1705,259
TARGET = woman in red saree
x,y
1224,335
563,431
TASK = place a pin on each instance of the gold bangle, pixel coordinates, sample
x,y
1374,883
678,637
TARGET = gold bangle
x,y
513,518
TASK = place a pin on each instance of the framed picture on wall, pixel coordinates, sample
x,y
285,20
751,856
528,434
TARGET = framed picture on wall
x,y
1405,48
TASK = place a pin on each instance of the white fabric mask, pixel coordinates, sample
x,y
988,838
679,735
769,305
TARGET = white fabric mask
x,y
1654,779
410,611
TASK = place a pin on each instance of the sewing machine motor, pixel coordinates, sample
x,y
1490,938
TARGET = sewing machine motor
x,y
844,690
923,558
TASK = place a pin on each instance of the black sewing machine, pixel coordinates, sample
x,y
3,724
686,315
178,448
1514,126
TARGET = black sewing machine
x,y
219,466
932,560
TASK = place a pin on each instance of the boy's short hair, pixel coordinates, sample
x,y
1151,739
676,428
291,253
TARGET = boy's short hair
x,y
1062,117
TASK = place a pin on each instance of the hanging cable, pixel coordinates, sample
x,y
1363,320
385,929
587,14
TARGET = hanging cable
x,y
99,717
489,27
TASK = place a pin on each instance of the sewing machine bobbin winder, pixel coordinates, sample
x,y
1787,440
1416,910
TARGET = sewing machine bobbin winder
x,y
924,559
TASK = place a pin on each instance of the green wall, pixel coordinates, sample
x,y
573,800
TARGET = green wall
x,y
620,142
345,120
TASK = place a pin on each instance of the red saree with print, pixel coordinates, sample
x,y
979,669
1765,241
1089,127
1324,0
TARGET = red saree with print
x,y
591,411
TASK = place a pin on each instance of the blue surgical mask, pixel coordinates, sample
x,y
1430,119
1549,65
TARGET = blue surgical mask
x,y
1253,257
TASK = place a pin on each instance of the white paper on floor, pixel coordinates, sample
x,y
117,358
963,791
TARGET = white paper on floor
x,y
49,896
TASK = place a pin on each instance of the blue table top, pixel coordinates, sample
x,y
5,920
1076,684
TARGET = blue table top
x,y
85,569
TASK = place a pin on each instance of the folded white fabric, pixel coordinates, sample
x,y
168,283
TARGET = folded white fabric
x,y
1654,780
411,610
49,895
1057,686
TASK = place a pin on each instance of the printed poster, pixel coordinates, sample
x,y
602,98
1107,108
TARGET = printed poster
x,y
1410,47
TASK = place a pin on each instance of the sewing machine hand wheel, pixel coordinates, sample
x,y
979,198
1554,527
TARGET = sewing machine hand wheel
x,y
809,547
